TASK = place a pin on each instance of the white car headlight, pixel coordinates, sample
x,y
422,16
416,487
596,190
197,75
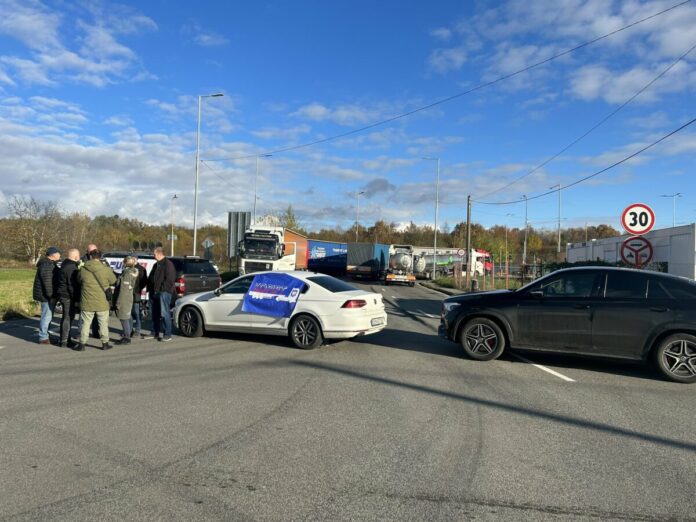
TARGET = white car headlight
x,y
448,307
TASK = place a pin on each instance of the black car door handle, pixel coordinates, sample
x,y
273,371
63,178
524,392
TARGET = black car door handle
x,y
659,309
581,306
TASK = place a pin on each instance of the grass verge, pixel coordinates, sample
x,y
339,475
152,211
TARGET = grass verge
x,y
15,293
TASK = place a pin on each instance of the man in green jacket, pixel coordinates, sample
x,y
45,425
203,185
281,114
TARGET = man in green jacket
x,y
94,279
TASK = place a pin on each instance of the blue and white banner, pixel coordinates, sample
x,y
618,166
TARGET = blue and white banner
x,y
273,294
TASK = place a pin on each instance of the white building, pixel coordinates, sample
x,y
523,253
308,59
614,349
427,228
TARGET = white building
x,y
673,247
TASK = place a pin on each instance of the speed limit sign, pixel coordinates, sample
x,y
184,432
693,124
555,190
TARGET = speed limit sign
x,y
638,219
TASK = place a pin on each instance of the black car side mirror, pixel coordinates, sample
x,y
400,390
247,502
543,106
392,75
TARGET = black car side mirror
x,y
218,291
536,294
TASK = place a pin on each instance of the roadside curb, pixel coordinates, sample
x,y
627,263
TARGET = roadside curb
x,y
441,290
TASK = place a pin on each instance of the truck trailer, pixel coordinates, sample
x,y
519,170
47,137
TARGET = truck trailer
x,y
367,260
271,248
401,265
327,257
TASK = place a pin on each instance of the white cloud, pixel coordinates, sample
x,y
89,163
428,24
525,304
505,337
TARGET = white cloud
x,y
118,121
98,57
445,60
346,114
291,133
203,37
441,33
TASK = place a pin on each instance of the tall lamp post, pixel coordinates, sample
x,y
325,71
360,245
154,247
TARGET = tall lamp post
x,y
172,221
198,150
526,228
437,208
558,250
507,257
674,205
357,213
256,180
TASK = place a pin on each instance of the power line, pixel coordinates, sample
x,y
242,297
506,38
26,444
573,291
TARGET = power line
x,y
592,129
581,180
458,95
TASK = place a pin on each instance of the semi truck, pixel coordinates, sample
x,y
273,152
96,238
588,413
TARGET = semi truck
x,y
423,268
367,260
271,248
401,264
327,257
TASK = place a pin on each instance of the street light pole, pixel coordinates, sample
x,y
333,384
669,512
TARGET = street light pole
x,y
674,205
558,251
357,213
526,228
507,257
437,209
198,151
256,177
172,221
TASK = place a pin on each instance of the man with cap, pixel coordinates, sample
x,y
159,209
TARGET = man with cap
x,y
44,290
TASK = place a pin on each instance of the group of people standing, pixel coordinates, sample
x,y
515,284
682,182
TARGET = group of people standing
x,y
88,284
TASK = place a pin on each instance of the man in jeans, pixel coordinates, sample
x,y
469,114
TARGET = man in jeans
x,y
68,293
160,286
140,285
44,290
94,279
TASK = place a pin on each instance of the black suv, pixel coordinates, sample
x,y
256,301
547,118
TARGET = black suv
x,y
610,312
194,275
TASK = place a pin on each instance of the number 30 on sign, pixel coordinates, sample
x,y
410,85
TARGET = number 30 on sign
x,y
638,219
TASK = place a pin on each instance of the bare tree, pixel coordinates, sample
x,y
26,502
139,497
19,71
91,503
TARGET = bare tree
x,y
35,226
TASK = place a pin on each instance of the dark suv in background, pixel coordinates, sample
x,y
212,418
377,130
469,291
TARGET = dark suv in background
x,y
194,275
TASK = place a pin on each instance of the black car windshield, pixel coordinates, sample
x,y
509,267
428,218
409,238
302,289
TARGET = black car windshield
x,y
331,284
260,246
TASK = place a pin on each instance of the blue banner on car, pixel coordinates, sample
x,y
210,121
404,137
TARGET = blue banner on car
x,y
273,294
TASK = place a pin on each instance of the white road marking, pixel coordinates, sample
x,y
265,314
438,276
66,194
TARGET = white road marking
x,y
426,314
384,289
394,297
544,368
1,347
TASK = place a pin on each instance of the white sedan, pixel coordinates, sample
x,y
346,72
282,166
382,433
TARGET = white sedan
x,y
327,308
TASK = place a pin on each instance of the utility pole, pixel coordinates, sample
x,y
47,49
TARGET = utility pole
x,y
172,221
526,229
468,242
558,250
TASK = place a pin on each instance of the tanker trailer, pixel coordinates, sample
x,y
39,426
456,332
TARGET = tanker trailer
x,y
401,264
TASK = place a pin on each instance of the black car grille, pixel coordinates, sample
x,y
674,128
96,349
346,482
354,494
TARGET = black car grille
x,y
257,267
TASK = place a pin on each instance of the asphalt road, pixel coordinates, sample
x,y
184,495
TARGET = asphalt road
x,y
394,426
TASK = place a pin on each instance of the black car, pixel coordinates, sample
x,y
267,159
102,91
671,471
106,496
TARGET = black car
x,y
194,275
595,311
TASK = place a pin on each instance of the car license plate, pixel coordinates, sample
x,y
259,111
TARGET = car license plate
x,y
377,321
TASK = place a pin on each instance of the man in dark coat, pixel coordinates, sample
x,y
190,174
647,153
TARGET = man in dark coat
x,y
44,290
160,286
68,294
140,285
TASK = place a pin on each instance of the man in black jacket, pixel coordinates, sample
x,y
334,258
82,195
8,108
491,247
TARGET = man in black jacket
x,y
140,285
68,294
160,286
44,290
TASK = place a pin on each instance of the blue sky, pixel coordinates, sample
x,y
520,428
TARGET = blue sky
x,y
98,108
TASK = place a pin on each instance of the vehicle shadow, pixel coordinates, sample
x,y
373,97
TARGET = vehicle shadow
x,y
27,330
411,341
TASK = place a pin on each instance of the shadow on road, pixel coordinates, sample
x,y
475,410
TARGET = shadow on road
x,y
498,405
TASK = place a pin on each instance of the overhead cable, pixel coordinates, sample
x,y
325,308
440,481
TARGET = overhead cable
x,y
589,131
457,95
581,180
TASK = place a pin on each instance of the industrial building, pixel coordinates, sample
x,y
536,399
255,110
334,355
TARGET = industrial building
x,y
674,250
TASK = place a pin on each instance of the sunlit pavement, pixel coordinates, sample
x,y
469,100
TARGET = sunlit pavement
x,y
393,426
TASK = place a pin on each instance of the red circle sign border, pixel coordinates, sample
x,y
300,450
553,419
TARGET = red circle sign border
x,y
635,232
648,244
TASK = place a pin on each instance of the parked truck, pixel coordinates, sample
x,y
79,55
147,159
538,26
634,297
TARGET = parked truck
x,y
367,260
271,248
401,264
327,257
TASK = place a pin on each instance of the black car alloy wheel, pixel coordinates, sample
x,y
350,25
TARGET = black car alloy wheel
x,y
190,322
482,339
676,357
305,332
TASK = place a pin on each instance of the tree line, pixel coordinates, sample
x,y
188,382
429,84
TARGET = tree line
x,y
31,226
